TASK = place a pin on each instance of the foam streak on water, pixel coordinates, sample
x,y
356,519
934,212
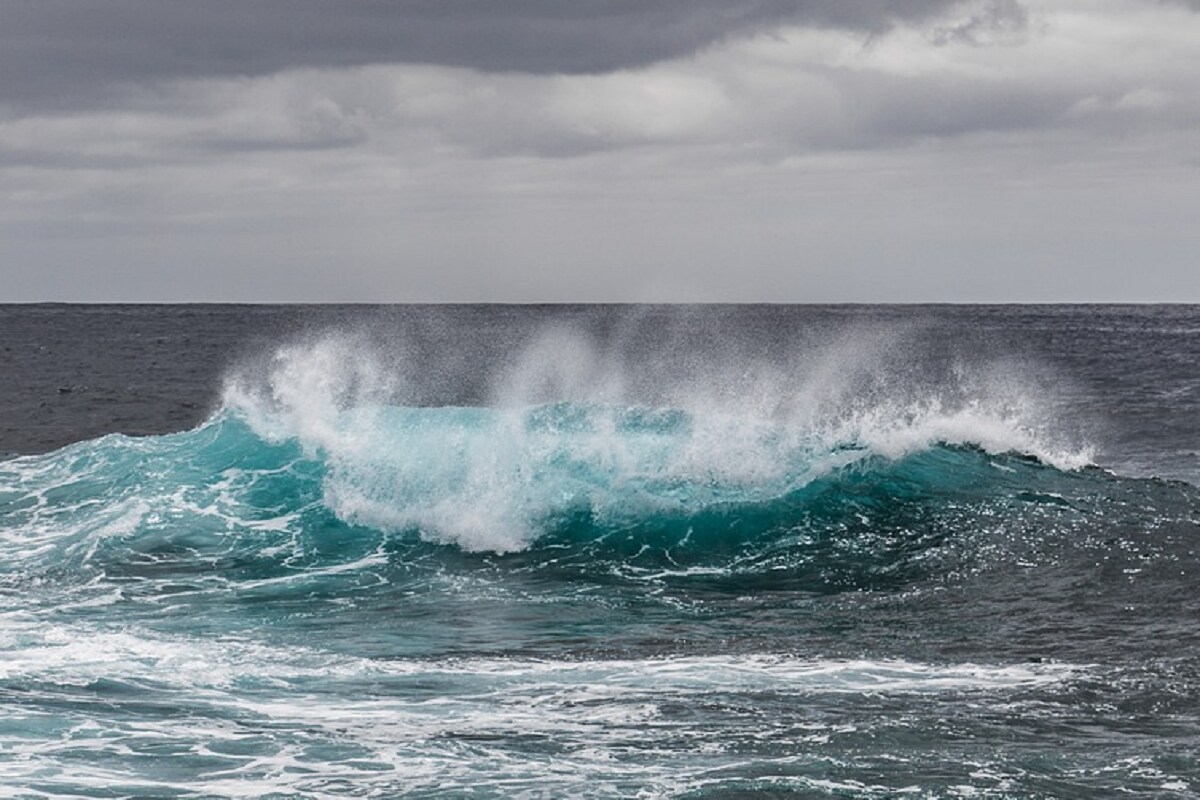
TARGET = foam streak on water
x,y
258,720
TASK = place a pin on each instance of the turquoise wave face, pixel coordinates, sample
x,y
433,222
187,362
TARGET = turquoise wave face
x,y
561,492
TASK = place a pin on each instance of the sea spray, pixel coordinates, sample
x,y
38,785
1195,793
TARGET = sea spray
x,y
492,478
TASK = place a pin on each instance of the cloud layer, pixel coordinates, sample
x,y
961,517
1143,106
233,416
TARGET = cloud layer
x,y
598,150
65,50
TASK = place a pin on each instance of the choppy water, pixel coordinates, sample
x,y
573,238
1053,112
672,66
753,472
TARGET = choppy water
x,y
604,552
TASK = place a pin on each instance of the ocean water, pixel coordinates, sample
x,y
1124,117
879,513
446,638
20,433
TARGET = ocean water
x,y
695,552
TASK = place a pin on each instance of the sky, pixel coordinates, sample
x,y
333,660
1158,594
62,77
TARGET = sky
x,y
803,151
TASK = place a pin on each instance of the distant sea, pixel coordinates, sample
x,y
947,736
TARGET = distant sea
x,y
600,551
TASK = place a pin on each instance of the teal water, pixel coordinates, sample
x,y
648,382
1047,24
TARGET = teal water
x,y
563,599
319,591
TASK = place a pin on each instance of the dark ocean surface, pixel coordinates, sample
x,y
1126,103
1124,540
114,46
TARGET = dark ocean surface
x,y
694,552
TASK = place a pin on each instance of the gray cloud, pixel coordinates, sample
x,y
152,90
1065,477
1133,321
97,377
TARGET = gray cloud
x,y
60,53
555,150
1001,18
988,66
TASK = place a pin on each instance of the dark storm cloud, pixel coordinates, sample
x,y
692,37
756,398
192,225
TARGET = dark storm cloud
x,y
67,52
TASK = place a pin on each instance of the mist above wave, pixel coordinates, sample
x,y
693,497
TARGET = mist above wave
x,y
642,420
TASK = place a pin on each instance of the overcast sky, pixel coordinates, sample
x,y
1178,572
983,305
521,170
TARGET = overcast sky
x,y
600,150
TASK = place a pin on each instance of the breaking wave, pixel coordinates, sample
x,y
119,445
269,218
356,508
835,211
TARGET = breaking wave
x,y
312,468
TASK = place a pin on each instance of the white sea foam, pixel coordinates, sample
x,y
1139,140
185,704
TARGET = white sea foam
x,y
755,430
384,724
79,654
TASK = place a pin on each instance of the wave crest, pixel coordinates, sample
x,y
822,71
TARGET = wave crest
x,y
490,478
321,437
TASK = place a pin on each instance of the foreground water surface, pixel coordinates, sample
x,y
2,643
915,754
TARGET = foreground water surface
x,y
601,551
